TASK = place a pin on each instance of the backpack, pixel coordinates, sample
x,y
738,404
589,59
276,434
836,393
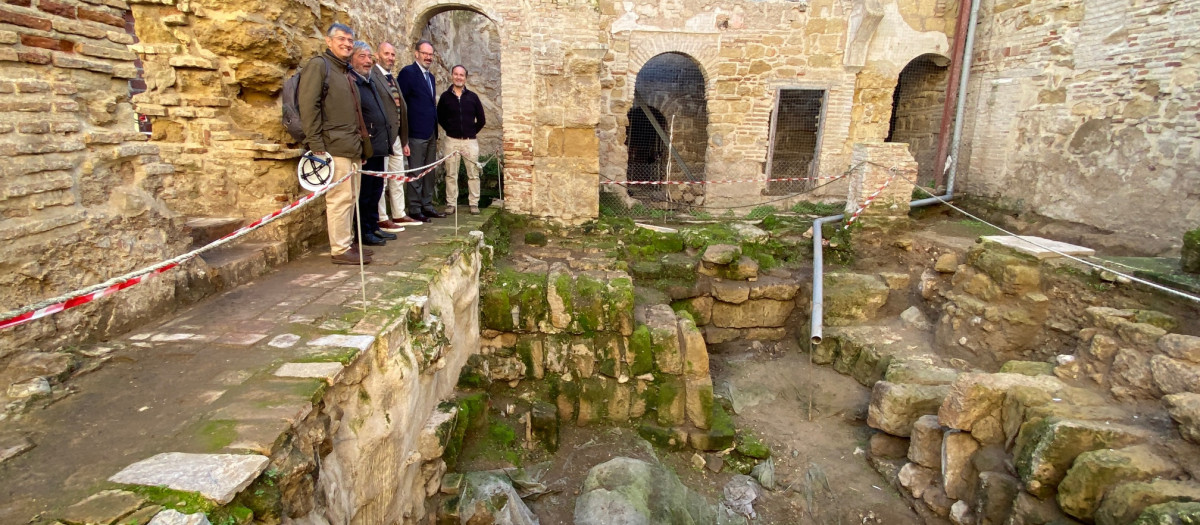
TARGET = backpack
x,y
291,108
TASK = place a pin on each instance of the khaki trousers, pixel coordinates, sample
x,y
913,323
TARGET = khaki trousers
x,y
469,149
339,206
393,190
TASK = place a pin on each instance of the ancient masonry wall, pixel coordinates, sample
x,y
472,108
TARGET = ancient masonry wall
x,y
748,52
1087,112
79,186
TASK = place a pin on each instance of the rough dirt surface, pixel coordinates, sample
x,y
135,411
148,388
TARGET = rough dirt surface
x,y
821,469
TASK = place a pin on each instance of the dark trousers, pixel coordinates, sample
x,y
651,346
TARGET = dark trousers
x,y
418,196
371,190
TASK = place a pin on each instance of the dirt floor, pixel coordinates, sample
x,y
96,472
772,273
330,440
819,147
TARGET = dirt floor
x,y
821,469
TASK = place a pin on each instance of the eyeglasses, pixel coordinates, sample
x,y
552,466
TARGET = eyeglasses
x,y
424,54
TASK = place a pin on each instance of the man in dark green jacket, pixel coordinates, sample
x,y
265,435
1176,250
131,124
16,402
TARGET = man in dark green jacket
x,y
331,113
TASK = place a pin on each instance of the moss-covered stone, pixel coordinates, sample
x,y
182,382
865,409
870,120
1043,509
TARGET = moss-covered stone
x,y
1155,318
1015,272
679,266
1190,255
1173,513
646,270
618,305
1093,473
472,373
594,394
589,313
471,415
669,406
535,238
649,296
641,355
748,444
719,436
1054,443
1127,501
665,437
740,463
647,244
1028,368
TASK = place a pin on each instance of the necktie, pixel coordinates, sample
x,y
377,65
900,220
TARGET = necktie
x,y
429,78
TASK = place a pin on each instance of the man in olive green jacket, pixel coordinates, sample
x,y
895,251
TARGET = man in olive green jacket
x,y
332,118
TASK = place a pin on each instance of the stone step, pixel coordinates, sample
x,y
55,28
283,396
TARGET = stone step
x,y
227,267
208,229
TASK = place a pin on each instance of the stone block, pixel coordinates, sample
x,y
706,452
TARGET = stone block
x,y
946,263
894,408
925,442
719,436
716,335
919,370
1179,346
958,472
664,336
1131,376
995,497
721,254
896,280
1052,445
734,292
699,402
917,479
695,351
1094,473
1189,259
975,397
174,517
325,371
671,401
1124,503
700,308
777,288
887,446
1173,376
754,313
1185,410
218,477
852,297
1028,368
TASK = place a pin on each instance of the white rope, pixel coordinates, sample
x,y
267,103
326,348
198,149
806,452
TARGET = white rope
x,y
410,170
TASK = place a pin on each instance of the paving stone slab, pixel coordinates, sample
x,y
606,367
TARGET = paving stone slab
x,y
361,342
1039,247
218,477
13,444
103,507
327,371
174,517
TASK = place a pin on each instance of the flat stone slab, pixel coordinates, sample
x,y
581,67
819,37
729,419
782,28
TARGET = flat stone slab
x,y
174,517
103,507
1042,248
218,477
327,371
361,342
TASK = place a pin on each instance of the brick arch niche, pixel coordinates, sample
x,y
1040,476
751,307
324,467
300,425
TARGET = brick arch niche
x,y
671,91
917,108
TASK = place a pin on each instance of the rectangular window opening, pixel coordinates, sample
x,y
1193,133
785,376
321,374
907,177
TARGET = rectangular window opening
x,y
795,140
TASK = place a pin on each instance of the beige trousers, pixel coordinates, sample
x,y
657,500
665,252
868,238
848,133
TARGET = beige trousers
x,y
393,190
469,149
339,206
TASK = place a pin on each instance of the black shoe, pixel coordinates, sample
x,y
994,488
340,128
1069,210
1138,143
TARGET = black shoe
x,y
371,239
384,235
420,217
434,214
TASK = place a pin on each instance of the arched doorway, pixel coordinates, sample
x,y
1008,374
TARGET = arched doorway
x,y
463,36
917,105
667,135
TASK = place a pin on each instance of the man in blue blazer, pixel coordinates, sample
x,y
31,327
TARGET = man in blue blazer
x,y
417,86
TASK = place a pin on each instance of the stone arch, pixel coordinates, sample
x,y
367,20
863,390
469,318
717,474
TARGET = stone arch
x,y
427,9
917,107
703,49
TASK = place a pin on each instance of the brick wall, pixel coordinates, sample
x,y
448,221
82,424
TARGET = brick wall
x,y
1087,111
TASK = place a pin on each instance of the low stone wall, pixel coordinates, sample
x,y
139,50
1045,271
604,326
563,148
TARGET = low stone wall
x,y
358,439
1022,446
577,339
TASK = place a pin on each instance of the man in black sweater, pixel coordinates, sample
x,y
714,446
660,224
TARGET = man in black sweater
x,y
381,126
460,113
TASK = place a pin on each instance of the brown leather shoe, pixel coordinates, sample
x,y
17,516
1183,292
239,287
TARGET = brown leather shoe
x,y
349,258
366,251
390,226
408,221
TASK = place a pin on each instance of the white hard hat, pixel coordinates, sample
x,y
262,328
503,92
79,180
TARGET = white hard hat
x,y
315,172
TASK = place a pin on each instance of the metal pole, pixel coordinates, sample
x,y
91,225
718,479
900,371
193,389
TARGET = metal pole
x,y
818,296
968,53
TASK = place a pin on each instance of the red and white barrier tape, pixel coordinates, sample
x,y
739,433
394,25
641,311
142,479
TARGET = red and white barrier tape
x,y
871,198
396,174
731,181
80,297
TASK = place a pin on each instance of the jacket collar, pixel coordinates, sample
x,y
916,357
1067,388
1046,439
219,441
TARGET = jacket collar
x,y
329,54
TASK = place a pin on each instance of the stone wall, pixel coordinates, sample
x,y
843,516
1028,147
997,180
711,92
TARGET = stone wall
x,y
80,187
917,113
468,38
1086,112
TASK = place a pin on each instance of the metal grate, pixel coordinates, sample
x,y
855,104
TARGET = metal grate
x,y
667,134
796,133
